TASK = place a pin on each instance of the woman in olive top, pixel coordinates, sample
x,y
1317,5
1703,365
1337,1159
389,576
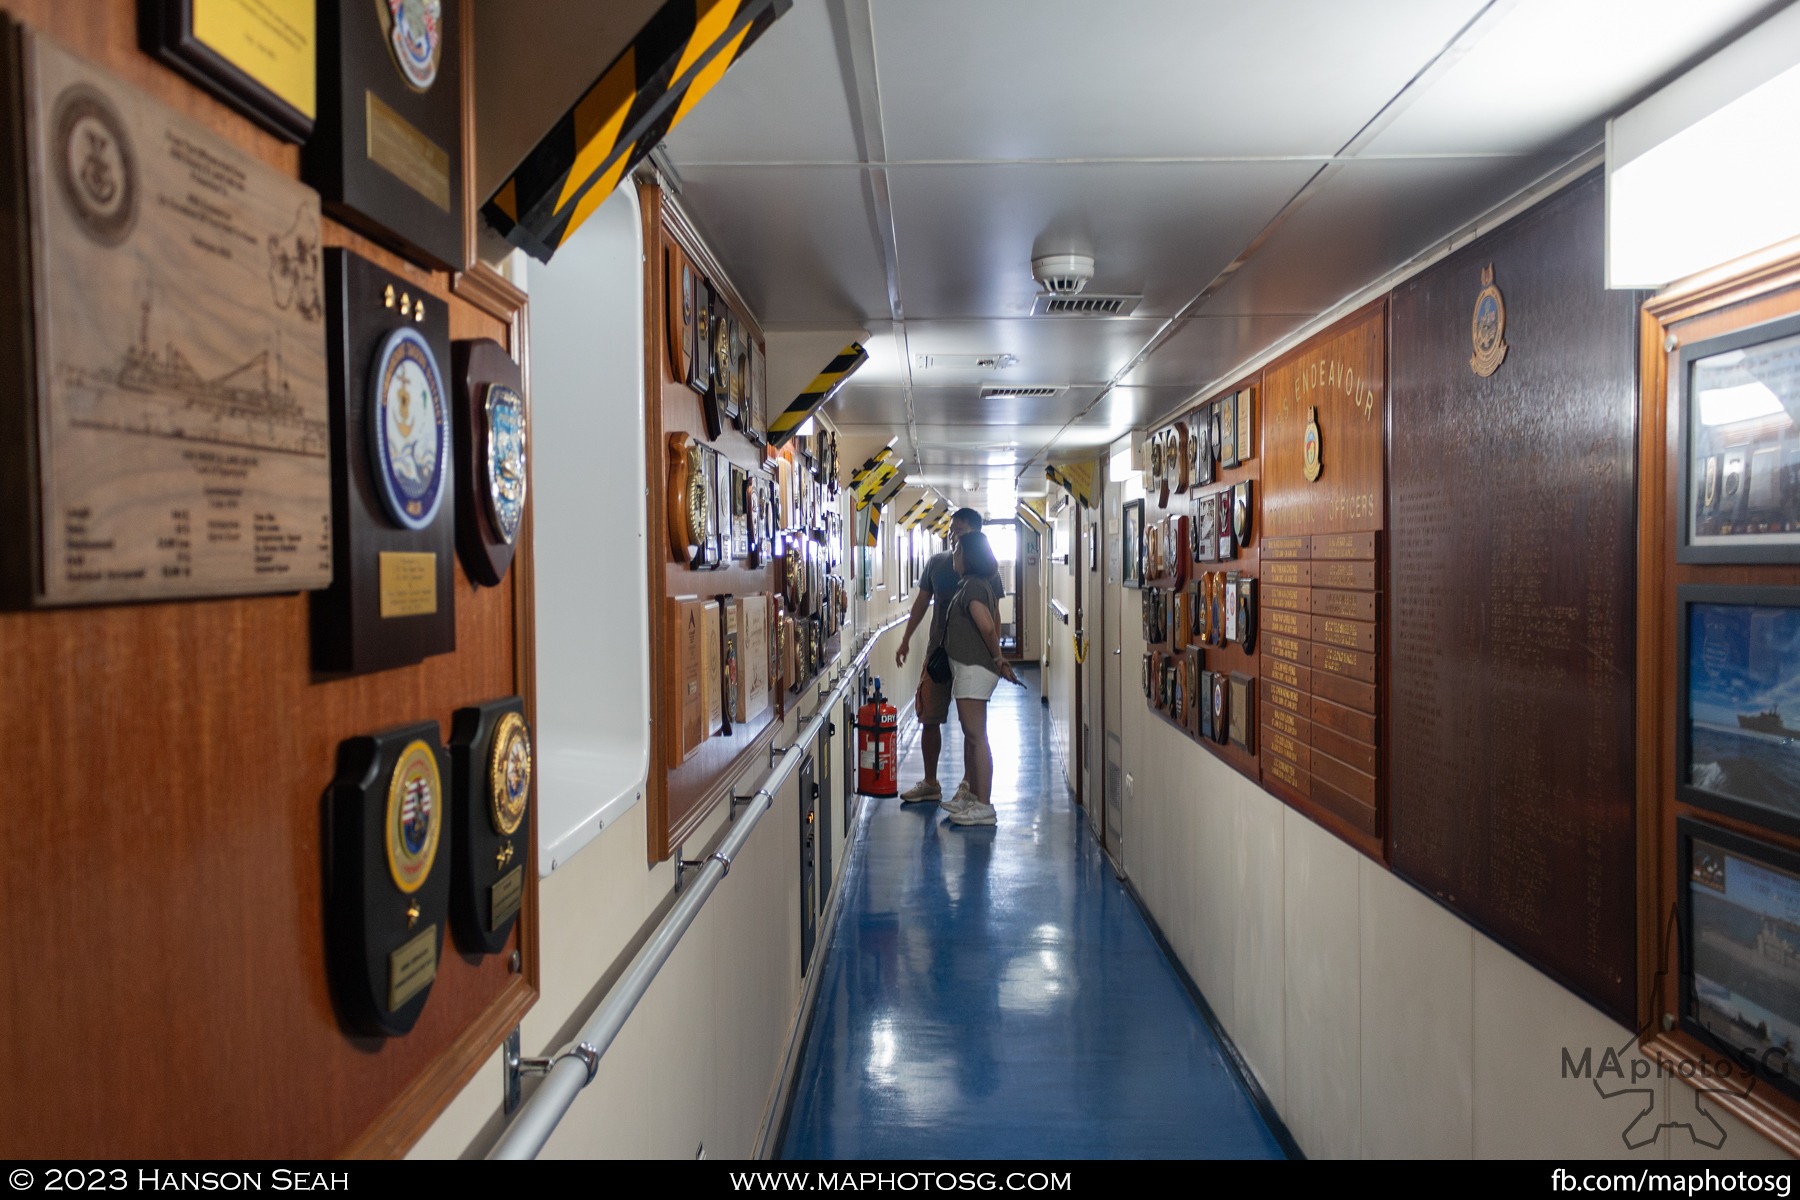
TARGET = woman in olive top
x,y
972,639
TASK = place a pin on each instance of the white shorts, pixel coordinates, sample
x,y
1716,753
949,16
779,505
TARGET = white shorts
x,y
968,682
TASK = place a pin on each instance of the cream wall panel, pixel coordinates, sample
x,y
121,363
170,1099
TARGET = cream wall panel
x,y
1322,947
1740,1141
1524,1107
1214,882
1259,989
1418,1022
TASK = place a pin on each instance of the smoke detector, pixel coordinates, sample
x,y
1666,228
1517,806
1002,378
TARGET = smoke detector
x,y
1063,274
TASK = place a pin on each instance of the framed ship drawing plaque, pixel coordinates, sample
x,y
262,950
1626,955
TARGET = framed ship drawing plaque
x,y
492,441
262,59
386,151
392,601
387,876
1739,470
160,440
1737,697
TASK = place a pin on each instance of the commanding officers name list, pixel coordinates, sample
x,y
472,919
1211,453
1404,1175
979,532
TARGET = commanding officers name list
x,y
1319,655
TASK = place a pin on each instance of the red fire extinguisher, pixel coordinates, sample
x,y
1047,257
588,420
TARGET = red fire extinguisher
x,y
877,735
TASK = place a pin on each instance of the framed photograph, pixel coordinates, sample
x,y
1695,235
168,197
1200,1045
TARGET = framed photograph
x,y
1202,437
1737,698
1735,399
1738,904
1134,543
1206,528
257,58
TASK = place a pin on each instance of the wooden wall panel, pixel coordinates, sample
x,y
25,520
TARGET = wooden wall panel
x,y
1512,583
163,993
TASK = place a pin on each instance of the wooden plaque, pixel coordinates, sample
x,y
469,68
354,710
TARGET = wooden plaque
x,y
490,464
493,762
393,596
386,152
1513,786
1343,375
161,439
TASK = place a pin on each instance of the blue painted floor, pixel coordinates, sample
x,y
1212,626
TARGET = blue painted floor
x,y
994,993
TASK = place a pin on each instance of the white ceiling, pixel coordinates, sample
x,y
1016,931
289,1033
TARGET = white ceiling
x,y
894,165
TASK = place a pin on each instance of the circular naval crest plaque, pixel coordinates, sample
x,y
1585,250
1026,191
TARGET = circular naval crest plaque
x,y
509,774
415,34
505,460
1487,328
1311,463
414,816
95,165
409,430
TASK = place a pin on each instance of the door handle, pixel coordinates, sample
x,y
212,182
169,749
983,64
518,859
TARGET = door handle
x,y
1115,651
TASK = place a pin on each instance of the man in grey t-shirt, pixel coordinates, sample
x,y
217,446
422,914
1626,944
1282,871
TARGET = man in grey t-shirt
x,y
936,589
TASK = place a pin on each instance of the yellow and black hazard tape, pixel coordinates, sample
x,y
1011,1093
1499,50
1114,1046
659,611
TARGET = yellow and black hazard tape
x,y
644,94
889,490
870,463
873,538
1069,485
911,516
823,387
875,482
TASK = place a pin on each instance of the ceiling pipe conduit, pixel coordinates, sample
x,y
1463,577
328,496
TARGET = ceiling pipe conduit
x,y
575,1066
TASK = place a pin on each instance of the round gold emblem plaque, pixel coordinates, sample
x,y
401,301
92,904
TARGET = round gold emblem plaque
x,y
1487,328
509,774
415,816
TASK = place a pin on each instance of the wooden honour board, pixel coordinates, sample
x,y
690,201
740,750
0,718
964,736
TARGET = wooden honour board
x,y
1514,521
1323,640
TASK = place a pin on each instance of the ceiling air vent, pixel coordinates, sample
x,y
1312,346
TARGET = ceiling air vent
x,y
1085,306
992,392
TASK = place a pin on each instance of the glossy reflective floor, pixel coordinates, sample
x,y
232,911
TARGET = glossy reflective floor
x,y
994,993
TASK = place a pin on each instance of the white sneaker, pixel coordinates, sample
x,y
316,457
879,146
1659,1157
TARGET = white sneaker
x,y
922,791
975,813
961,800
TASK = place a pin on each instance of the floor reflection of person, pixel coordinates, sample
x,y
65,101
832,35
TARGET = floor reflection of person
x,y
932,706
972,639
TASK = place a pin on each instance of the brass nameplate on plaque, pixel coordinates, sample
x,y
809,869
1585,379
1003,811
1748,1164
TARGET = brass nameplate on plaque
x,y
1293,548
411,157
1292,674
1353,606
1282,721
1288,648
1351,635
1352,663
1287,774
1344,545
1283,746
1294,599
1284,697
412,967
505,896
1287,574
1358,576
408,584
1278,621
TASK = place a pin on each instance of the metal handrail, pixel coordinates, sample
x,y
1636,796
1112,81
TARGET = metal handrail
x,y
575,1066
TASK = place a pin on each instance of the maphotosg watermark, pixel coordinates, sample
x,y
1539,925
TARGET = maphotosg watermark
x,y
1617,1072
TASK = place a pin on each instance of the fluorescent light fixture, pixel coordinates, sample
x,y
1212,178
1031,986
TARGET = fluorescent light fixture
x,y
806,429
1745,402
1704,171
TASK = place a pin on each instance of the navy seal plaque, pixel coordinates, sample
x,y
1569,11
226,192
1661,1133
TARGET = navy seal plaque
x,y
387,876
392,598
493,445
491,752
386,151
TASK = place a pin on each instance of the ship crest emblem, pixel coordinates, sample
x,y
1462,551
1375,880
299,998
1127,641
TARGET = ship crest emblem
x,y
95,165
509,775
414,816
415,30
1311,462
1487,329
409,446
505,460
